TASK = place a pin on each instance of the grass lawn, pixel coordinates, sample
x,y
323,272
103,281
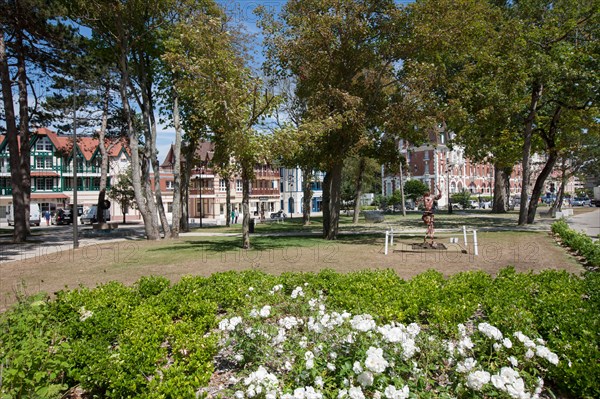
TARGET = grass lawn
x,y
294,251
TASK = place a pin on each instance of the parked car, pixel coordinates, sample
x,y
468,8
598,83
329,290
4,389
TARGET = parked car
x,y
62,216
34,214
579,201
278,215
485,204
90,216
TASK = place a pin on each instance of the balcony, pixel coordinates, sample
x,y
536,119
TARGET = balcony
x,y
68,170
264,191
205,191
266,173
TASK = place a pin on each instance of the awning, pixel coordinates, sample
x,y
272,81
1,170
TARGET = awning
x,y
49,196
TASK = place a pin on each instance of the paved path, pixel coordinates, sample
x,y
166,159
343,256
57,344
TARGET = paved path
x,y
587,222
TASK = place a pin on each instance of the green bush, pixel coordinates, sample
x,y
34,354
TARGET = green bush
x,y
155,340
578,242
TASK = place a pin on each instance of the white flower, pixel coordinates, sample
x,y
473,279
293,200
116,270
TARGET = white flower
x,y
313,302
297,292
85,314
545,353
250,289
331,366
413,329
513,360
278,287
342,394
253,313
319,381
524,339
462,330
365,379
289,322
363,323
466,366
356,393
238,357
375,360
392,393
287,366
507,343
265,311
477,379
529,354
409,349
357,368
490,331
239,395
229,324
310,360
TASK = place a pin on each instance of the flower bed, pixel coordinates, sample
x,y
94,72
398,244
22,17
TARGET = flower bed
x,y
366,334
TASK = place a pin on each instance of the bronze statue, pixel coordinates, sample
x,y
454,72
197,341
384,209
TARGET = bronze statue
x,y
428,218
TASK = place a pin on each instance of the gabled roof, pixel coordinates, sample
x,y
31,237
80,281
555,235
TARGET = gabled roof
x,y
88,146
204,153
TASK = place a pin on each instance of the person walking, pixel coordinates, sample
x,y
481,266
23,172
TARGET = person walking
x,y
47,217
237,214
232,216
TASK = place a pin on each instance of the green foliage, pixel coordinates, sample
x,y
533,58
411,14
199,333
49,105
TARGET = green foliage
x,y
154,339
415,189
462,198
578,242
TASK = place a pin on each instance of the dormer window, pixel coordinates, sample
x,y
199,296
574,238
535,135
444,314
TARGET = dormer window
x,y
43,144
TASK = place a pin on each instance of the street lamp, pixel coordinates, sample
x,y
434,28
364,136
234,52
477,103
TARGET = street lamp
x,y
199,178
74,212
448,183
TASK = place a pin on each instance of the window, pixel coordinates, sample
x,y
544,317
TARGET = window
x,y
238,185
222,185
169,207
43,162
44,184
169,184
43,144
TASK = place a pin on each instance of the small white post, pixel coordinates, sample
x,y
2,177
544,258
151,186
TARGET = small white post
x,y
476,251
386,242
392,238
465,235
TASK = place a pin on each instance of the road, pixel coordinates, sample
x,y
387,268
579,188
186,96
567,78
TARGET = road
x,y
588,222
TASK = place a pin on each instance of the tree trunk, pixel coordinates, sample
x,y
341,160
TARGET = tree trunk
x,y
500,204
307,177
20,229
152,232
557,204
550,140
25,151
527,136
190,148
539,186
326,203
104,155
358,189
246,208
228,200
176,170
335,197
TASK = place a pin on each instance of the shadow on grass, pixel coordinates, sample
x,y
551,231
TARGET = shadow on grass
x,y
228,244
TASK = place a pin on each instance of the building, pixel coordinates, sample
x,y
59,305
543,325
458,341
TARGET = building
x,y
436,165
52,170
292,195
208,191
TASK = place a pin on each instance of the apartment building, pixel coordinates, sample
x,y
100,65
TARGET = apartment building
x,y
208,190
52,165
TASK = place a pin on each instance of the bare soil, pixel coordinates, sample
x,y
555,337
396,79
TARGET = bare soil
x,y
127,261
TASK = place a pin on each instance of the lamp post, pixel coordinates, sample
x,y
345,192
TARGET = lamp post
x,y
448,183
200,193
74,212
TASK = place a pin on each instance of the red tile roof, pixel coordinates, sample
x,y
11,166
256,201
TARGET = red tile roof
x,y
87,145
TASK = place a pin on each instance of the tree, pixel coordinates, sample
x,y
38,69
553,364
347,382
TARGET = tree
x,y
415,189
30,34
514,69
122,192
342,55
